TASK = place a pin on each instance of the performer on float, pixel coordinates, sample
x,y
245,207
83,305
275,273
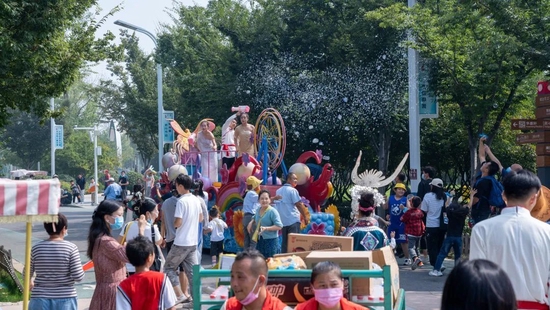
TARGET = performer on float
x,y
244,137
228,140
206,144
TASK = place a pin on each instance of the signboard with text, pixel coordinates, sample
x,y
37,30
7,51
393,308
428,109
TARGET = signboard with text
x,y
535,137
58,137
167,129
530,124
427,101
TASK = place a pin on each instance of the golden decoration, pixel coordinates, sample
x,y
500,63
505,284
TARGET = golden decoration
x,y
332,209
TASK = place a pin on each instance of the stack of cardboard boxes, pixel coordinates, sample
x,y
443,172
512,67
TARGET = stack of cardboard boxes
x,y
317,248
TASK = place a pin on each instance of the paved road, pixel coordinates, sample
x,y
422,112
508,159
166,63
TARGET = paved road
x,y
422,291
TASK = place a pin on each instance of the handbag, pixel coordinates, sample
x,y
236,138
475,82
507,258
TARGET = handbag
x,y
123,240
257,230
157,263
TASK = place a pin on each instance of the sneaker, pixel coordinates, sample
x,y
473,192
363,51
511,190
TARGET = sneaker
x,y
442,269
416,263
435,273
407,262
401,255
188,305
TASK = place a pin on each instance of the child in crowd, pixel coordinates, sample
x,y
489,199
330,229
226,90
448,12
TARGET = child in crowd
x,y
146,290
397,205
217,226
414,228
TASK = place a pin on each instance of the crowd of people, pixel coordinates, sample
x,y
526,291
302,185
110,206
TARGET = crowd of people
x,y
509,266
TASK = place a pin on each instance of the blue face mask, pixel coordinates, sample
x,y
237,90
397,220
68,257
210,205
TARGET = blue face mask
x,y
150,221
119,222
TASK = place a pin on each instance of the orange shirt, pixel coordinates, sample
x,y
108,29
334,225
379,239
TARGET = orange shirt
x,y
312,304
270,303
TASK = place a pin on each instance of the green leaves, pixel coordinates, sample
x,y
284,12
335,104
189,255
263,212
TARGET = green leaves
x,y
44,44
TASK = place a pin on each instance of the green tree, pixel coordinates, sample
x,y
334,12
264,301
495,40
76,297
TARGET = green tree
x,y
27,139
44,44
485,55
132,101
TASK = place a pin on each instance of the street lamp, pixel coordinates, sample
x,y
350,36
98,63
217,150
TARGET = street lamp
x,y
159,87
93,130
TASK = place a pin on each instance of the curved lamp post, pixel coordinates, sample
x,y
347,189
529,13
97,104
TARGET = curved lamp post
x,y
159,88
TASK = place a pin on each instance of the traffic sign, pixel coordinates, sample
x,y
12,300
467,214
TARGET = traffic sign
x,y
58,134
530,124
167,129
535,137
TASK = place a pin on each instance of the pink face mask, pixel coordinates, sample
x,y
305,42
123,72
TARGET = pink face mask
x,y
328,297
251,297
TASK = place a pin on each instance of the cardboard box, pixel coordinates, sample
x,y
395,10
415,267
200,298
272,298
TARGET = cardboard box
x,y
293,291
304,242
302,254
385,257
352,260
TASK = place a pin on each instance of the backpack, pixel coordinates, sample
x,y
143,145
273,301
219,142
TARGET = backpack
x,y
495,197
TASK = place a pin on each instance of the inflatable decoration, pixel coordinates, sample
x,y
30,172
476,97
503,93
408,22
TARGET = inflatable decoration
x,y
332,209
160,194
316,189
176,170
169,159
541,210
238,228
301,171
320,224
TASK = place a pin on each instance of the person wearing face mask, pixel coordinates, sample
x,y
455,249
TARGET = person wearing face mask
x,y
108,255
148,208
328,289
53,284
249,283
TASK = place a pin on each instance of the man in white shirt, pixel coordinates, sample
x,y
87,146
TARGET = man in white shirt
x,y
184,250
517,242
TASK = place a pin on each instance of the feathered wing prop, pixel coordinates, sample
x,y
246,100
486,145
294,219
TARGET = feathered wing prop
x,y
369,181
374,178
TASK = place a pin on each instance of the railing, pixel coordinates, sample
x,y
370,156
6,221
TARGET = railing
x,y
385,273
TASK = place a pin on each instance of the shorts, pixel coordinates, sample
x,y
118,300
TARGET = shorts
x,y
216,248
400,236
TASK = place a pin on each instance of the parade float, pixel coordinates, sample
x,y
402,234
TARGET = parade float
x,y
313,174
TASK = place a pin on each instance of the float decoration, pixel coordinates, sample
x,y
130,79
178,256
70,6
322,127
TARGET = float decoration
x,y
368,182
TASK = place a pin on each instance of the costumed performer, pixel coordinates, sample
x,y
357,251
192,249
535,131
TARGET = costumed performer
x,y
367,236
206,144
228,140
244,137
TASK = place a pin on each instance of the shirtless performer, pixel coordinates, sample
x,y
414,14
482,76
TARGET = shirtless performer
x,y
244,137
